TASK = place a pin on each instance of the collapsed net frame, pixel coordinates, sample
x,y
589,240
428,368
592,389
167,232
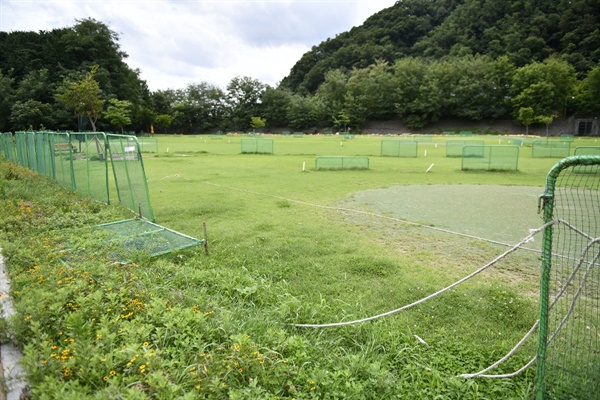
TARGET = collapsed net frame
x,y
568,361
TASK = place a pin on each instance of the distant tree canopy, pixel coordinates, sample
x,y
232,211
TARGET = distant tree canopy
x,y
522,30
532,61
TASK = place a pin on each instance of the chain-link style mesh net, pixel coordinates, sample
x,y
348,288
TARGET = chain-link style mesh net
x,y
550,149
454,147
90,166
399,148
491,158
568,364
341,162
257,146
79,161
122,241
130,177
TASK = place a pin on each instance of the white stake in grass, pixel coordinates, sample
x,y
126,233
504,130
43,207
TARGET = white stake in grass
x,y
429,169
425,153
303,166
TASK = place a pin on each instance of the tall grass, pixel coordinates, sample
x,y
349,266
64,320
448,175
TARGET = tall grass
x,y
187,325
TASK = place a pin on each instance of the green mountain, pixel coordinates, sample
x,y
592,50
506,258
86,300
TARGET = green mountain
x,y
523,30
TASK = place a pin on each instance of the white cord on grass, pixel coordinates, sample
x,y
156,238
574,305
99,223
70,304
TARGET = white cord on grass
x,y
481,374
349,210
424,299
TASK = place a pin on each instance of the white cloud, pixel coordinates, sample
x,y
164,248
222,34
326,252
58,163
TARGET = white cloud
x,y
177,42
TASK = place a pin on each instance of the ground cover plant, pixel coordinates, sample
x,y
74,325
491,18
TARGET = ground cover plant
x,y
187,325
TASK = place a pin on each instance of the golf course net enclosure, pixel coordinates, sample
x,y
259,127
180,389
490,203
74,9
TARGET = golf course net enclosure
x,y
491,158
399,148
257,146
341,162
454,147
568,363
550,149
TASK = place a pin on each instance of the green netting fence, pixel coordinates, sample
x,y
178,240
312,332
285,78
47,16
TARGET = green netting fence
x,y
122,241
399,148
341,163
257,146
81,161
550,149
454,147
90,165
491,158
150,144
568,361
586,150
61,154
129,174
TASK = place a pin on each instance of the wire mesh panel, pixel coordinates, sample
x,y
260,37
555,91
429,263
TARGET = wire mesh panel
x,y
399,148
44,156
454,147
257,146
22,150
129,173
491,158
90,167
9,147
568,364
61,154
122,241
586,150
31,154
550,149
148,145
339,163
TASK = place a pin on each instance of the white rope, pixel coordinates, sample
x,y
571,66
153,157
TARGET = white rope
x,y
506,357
533,232
481,374
424,299
371,214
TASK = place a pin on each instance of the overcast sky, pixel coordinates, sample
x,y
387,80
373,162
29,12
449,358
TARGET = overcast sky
x,y
177,42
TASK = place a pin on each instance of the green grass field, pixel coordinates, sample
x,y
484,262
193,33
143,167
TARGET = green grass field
x,y
285,248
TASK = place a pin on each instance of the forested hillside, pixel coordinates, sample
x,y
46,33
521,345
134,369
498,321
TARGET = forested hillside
x,y
522,30
420,61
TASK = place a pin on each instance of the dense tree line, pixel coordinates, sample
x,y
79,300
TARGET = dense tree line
x,y
77,78
522,30
37,66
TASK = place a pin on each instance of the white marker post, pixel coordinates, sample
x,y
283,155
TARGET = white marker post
x,y
425,153
303,166
429,169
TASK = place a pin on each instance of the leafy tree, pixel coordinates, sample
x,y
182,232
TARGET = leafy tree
x,y
258,122
342,120
544,86
373,90
526,117
31,114
305,112
163,120
243,95
589,92
84,97
274,105
6,99
332,92
118,113
546,120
